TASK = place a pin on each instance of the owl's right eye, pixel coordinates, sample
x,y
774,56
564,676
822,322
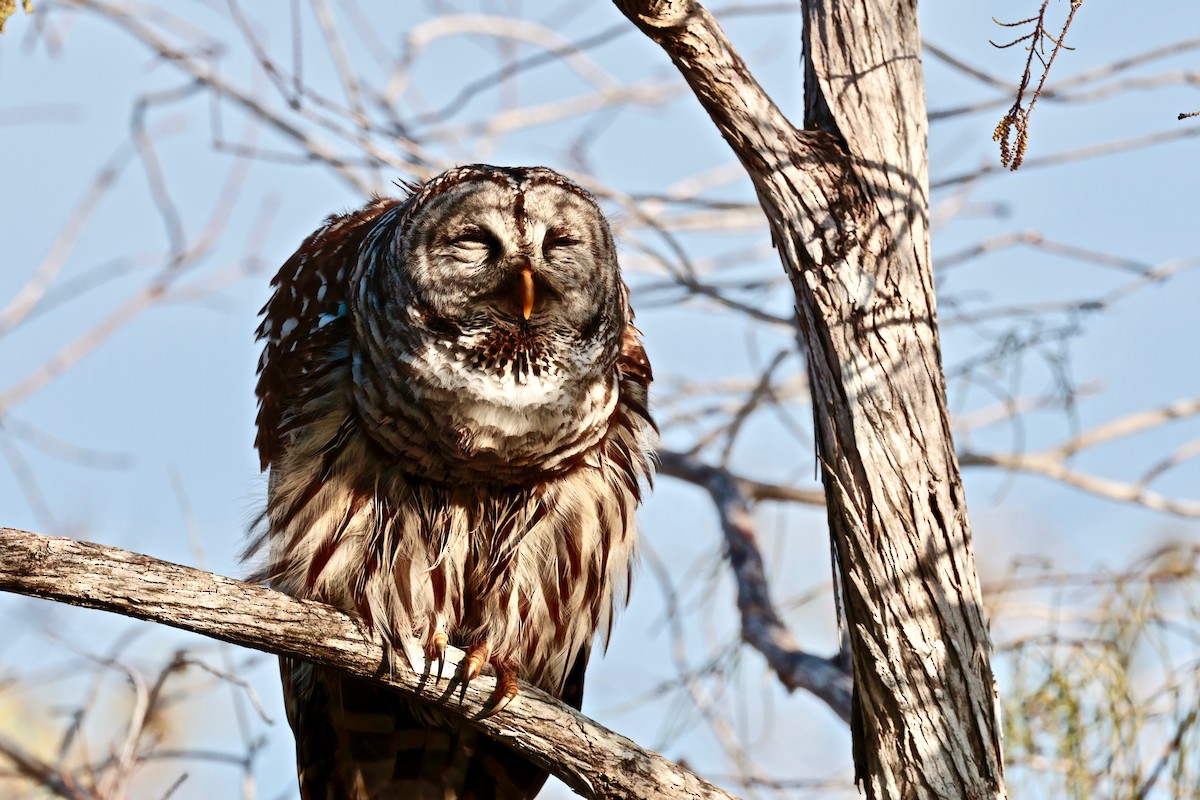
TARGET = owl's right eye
x,y
476,241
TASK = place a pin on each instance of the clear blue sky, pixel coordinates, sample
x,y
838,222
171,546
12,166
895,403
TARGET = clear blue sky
x,y
170,394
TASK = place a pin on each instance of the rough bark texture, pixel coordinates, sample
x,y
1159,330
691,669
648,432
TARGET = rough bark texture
x,y
591,759
847,201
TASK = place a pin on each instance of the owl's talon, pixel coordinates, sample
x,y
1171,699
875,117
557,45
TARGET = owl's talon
x,y
506,692
477,656
437,649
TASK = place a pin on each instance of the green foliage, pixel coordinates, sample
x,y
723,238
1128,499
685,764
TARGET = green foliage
x,y
1103,692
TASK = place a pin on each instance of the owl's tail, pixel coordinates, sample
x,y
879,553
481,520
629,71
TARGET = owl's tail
x,y
356,740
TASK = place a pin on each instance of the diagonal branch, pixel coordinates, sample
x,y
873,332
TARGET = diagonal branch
x,y
1057,469
762,628
593,760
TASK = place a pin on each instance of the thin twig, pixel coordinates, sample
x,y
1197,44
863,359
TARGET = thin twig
x,y
1013,153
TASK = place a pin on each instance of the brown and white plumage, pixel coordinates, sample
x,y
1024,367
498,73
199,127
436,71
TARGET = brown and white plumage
x,y
453,411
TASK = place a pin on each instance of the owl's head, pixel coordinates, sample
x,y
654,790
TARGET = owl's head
x,y
490,300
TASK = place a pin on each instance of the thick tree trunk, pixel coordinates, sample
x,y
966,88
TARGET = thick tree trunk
x,y
847,200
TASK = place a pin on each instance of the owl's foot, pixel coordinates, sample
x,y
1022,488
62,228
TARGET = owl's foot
x,y
506,691
477,656
506,677
436,648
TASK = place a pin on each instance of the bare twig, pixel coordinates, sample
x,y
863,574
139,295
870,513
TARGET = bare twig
x,y
1173,747
1052,466
1013,153
28,296
679,465
1053,462
1078,154
208,76
45,775
1073,89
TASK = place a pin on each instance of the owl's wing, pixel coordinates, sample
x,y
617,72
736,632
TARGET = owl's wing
x,y
304,323
636,377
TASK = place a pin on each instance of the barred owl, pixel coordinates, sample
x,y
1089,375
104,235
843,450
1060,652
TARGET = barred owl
x,y
453,410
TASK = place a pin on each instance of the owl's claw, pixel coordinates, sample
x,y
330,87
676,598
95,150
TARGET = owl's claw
x,y
506,678
437,649
477,656
506,692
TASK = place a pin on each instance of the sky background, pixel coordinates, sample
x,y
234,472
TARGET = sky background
x,y
163,410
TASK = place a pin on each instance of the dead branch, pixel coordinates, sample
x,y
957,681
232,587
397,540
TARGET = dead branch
x,y
593,760
45,775
762,627
686,468
1078,154
1054,462
1057,469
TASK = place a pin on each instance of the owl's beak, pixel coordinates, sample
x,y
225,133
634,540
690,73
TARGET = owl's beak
x,y
526,292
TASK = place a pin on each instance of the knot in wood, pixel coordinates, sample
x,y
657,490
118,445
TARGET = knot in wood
x,y
658,14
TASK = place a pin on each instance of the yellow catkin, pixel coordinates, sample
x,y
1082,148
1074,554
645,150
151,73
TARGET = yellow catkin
x,y
9,7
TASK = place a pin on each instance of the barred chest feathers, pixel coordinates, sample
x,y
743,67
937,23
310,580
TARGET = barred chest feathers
x,y
534,572
535,413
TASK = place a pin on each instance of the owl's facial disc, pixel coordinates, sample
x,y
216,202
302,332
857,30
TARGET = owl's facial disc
x,y
515,256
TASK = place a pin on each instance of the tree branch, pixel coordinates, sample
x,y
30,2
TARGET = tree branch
x,y
762,628
591,759
44,775
687,468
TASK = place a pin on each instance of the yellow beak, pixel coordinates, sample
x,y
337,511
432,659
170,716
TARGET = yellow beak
x,y
526,292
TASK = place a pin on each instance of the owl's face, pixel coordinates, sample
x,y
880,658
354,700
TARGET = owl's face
x,y
491,299
523,255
